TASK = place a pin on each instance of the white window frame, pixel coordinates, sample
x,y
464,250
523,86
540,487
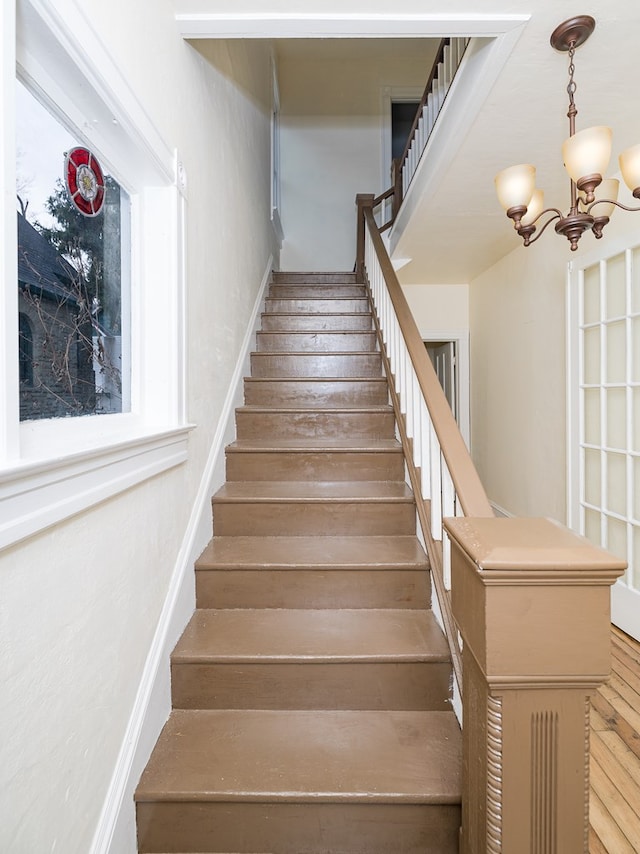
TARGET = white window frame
x,y
54,468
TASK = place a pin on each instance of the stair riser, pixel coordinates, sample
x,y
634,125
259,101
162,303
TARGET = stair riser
x,y
313,588
316,365
303,828
315,322
310,392
410,686
315,425
326,305
306,466
315,342
275,518
316,291
304,278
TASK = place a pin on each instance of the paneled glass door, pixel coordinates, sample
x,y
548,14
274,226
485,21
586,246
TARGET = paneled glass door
x,y
604,438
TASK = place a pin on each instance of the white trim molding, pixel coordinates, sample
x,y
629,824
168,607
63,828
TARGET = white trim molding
x,y
116,830
625,607
35,496
261,25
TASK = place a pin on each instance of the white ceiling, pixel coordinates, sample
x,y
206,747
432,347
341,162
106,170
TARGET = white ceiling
x,y
460,229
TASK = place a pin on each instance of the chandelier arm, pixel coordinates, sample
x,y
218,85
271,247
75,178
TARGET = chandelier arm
x,y
610,202
527,231
546,211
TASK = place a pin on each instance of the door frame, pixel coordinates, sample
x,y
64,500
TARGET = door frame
x,y
388,96
460,337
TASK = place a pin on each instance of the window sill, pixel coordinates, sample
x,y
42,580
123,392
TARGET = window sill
x,y
36,494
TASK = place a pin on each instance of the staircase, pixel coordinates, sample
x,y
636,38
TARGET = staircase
x,y
311,688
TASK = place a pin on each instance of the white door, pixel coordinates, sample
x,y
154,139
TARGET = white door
x,y
443,358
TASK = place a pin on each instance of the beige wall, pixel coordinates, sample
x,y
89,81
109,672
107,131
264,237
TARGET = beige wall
x,y
518,380
518,370
331,140
79,604
439,308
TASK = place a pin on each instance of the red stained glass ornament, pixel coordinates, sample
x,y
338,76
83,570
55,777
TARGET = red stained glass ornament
x,y
85,181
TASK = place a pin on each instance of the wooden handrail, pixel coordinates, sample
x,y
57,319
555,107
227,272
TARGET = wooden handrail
x,y
529,598
469,489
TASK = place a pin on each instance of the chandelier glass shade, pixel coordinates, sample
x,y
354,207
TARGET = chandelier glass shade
x,y
586,155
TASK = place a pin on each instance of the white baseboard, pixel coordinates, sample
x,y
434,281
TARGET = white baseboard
x,y
116,829
625,609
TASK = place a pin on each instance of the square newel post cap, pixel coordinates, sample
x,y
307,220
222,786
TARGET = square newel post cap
x,y
532,598
522,545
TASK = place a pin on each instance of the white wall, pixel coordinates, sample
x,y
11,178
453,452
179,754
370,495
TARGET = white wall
x,y
79,604
331,150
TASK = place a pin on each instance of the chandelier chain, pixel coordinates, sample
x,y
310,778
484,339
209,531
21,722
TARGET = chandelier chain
x,y
571,87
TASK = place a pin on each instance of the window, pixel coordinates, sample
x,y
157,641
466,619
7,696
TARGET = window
x,y
71,270
25,352
119,325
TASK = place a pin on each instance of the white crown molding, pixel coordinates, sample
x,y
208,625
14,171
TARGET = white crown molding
x,y
198,25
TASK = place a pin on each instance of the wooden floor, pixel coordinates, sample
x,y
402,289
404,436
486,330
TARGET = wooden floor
x,y
615,754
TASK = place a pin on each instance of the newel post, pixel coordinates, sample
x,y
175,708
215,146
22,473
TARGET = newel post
x,y
531,600
363,200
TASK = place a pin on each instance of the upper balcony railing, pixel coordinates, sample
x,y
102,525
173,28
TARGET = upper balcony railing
x,y
524,604
443,71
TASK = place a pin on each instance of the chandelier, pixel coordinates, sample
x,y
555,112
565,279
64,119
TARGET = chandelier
x,y
586,155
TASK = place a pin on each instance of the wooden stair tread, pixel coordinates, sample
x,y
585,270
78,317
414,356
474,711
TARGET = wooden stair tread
x,y
336,298
290,635
343,290
315,410
341,552
354,314
314,492
314,277
302,445
314,354
312,686
304,333
333,381
305,756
